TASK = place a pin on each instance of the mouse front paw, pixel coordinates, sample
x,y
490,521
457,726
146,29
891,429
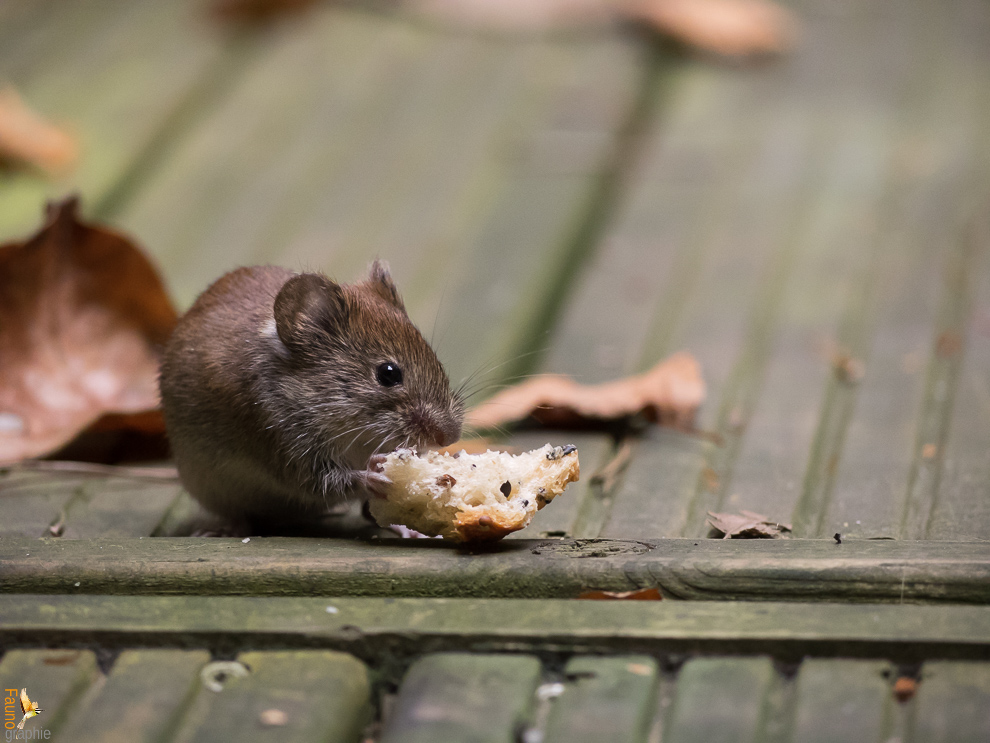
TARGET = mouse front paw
x,y
374,481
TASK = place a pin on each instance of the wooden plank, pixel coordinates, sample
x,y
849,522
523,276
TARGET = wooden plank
x,y
864,570
961,507
117,74
303,695
118,508
952,704
897,417
730,258
143,699
55,680
720,700
82,506
379,629
845,700
461,697
604,699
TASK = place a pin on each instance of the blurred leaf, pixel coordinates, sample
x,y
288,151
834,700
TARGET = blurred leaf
x,y
746,525
734,28
670,393
83,317
27,139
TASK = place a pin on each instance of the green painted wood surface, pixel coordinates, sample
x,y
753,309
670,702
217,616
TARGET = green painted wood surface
x,y
325,696
122,76
776,219
863,570
604,699
952,704
382,630
843,700
720,699
142,699
463,697
56,680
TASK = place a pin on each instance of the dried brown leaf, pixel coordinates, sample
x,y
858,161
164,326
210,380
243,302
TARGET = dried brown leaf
x,y
83,315
746,525
729,27
27,139
669,393
734,28
643,594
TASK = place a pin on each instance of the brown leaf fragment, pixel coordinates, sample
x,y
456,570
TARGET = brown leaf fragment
x,y
669,393
734,28
746,525
27,139
83,315
643,594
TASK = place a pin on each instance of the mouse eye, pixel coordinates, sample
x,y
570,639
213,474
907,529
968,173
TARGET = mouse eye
x,y
388,374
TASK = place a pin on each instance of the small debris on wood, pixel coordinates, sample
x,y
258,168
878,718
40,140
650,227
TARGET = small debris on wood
x,y
66,659
643,594
948,344
640,669
549,691
272,718
904,688
608,476
214,675
848,369
837,537
747,525
669,393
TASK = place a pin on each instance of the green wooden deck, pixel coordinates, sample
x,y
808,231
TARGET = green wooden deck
x,y
583,202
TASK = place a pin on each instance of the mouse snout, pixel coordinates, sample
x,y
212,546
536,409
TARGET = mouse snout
x,y
435,429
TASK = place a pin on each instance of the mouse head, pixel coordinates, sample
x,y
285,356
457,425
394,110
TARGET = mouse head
x,y
359,370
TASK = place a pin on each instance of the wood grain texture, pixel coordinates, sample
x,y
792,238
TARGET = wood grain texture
x,y
459,696
379,629
876,571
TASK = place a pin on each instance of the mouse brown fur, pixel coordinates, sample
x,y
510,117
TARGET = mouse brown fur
x,y
278,388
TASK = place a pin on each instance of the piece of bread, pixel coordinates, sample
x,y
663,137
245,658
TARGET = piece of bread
x,y
472,497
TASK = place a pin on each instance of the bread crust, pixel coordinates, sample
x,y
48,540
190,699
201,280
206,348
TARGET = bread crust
x,y
472,497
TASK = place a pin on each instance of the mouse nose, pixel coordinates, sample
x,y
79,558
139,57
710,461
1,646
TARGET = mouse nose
x,y
436,430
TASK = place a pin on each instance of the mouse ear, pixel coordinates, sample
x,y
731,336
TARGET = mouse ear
x,y
380,281
307,304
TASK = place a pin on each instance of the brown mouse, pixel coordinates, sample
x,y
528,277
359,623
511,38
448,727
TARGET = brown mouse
x,y
279,388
